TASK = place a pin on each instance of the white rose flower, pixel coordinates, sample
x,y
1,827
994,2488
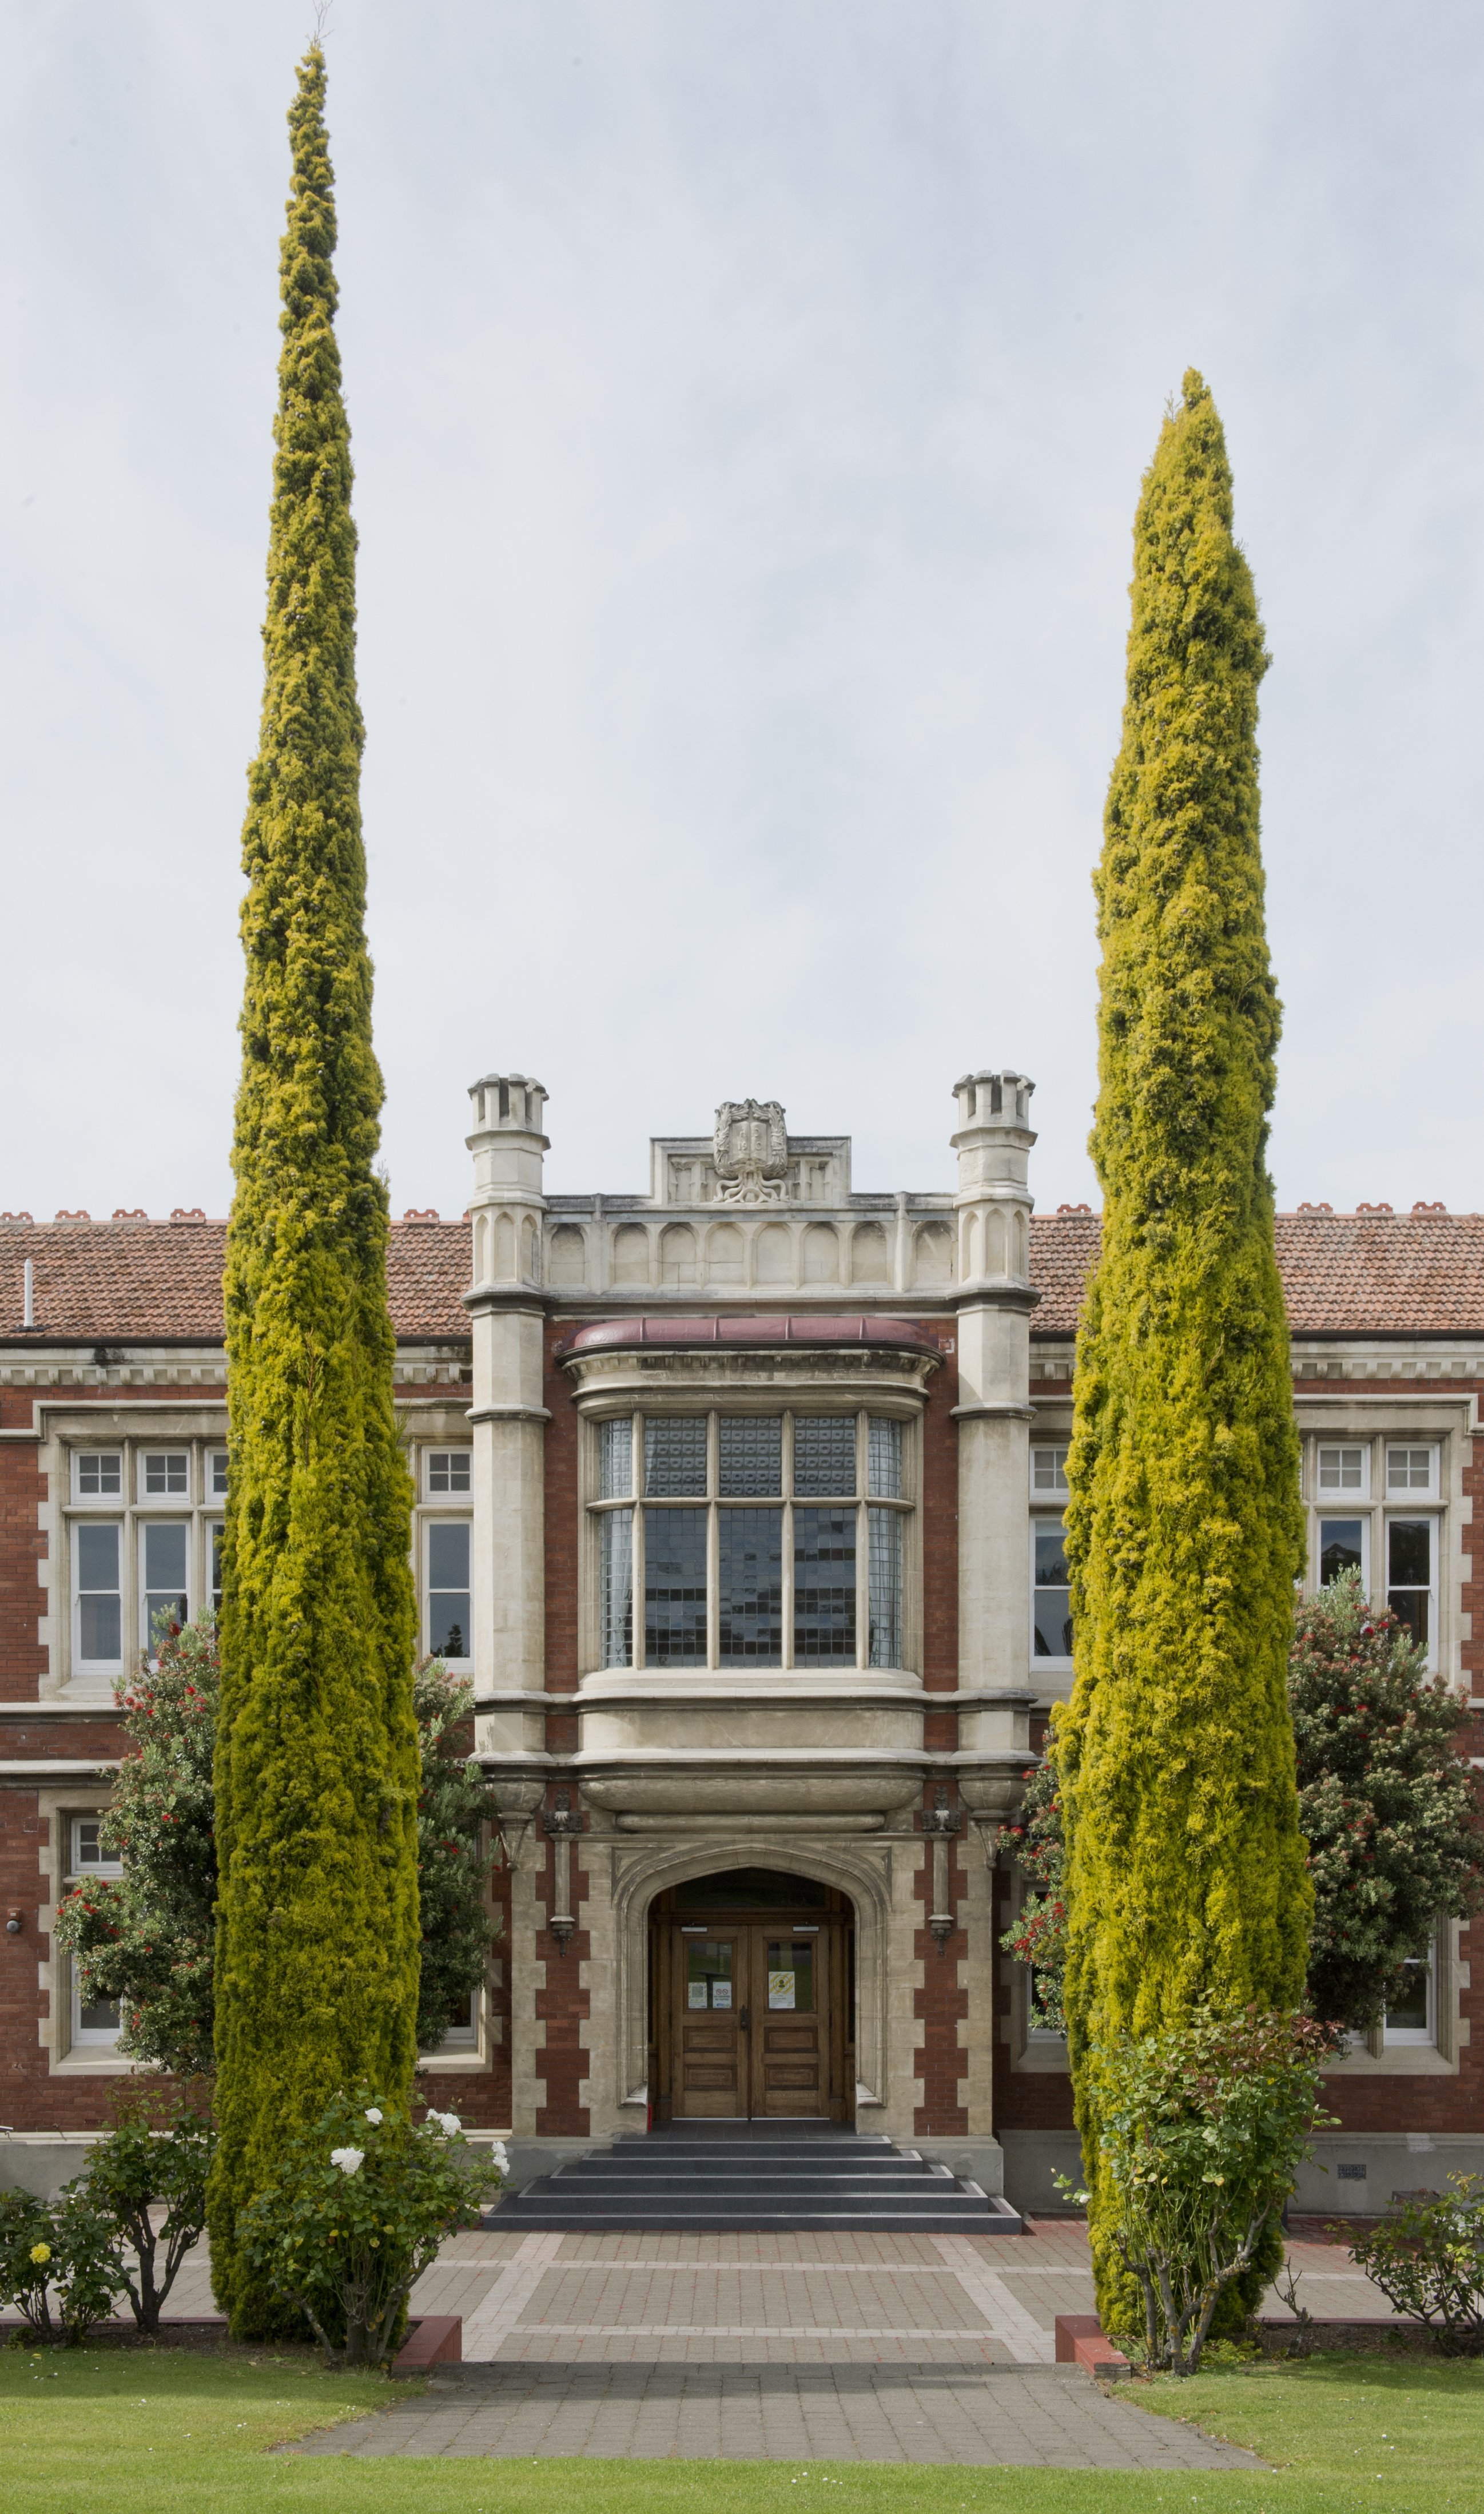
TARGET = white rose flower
x,y
348,2158
500,2157
448,2123
374,2114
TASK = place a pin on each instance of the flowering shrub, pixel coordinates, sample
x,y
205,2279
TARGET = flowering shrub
x,y
1038,1937
1387,1799
1203,2128
1387,1804
363,2202
455,1804
1427,2257
156,2155
148,1939
58,2264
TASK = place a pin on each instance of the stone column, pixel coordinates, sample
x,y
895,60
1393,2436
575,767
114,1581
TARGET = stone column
x,y
507,1416
994,1300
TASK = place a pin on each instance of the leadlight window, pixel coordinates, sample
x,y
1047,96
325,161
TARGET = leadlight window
x,y
765,1540
676,1587
885,1588
675,1456
750,1586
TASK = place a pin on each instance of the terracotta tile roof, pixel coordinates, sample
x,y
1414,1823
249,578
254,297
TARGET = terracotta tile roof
x,y
1344,1273
132,1279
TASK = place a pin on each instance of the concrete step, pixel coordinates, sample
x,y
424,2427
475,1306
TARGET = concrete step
x,y
532,2217
703,2180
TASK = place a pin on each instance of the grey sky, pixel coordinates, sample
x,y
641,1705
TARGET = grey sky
x,y
750,401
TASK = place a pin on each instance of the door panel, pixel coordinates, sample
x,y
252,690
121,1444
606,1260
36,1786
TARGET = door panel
x,y
710,2005
791,2024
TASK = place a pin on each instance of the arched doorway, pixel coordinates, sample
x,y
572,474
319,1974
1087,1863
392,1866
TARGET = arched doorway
x,y
751,1999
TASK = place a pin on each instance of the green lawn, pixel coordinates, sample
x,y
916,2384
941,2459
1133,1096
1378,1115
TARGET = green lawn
x,y
105,2432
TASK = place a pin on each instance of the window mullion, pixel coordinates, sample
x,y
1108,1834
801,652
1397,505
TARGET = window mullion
x,y
713,1584
636,1652
862,1587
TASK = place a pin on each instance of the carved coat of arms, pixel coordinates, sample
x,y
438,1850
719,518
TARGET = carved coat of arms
x,y
751,1153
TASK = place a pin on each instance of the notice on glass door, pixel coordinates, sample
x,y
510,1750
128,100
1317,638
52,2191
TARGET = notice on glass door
x,y
781,1989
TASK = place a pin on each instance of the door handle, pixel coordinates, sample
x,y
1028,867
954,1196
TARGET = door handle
x,y
743,2021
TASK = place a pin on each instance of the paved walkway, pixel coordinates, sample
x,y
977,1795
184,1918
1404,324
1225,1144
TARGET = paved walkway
x,y
1046,2418
782,2348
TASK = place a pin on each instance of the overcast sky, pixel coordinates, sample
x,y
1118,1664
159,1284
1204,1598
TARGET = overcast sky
x,y
749,401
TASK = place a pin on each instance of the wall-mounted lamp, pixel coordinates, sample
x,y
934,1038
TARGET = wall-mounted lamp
x,y
14,1923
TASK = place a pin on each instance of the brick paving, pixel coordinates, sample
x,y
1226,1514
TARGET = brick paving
x,y
775,2346
1046,2418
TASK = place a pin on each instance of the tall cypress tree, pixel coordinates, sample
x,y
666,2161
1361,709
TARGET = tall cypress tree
x,y
316,1773
1185,1875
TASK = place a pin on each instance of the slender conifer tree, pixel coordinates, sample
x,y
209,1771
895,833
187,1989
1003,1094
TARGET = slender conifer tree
x,y
1185,1875
316,1772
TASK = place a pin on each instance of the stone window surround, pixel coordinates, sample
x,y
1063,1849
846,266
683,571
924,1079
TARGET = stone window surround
x,y
56,1806
139,1423
1377,1422
629,1380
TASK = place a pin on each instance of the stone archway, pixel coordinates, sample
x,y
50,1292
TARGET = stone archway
x,y
644,1869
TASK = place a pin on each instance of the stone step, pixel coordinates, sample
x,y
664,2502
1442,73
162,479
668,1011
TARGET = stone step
x,y
535,2216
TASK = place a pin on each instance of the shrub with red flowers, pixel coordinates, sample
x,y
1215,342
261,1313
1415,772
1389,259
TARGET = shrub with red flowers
x,y
1038,1937
1387,1800
148,1938
1388,1804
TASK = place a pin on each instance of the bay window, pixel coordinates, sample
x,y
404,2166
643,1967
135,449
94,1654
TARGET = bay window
x,y
751,1540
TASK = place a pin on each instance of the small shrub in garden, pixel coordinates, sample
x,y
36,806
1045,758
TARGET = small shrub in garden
x,y
146,2164
363,2202
1202,2128
58,2263
1427,2257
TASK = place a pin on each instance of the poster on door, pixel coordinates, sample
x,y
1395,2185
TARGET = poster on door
x,y
781,1989
721,1994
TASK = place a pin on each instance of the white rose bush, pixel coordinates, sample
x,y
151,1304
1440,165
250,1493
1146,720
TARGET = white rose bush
x,y
357,2213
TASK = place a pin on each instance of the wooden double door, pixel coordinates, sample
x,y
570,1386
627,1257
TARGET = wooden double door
x,y
752,2018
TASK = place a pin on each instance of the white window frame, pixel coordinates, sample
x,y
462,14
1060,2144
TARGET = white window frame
x,y
1045,1494
214,1490
1404,1498
145,1521
208,1528
449,1499
78,1864
460,2038
1418,2037
101,1666
1432,1518
1042,1666
445,1519
100,1501
1332,1499
1363,1515
165,1500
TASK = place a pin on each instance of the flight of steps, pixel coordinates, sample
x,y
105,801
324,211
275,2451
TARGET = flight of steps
x,y
700,2176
